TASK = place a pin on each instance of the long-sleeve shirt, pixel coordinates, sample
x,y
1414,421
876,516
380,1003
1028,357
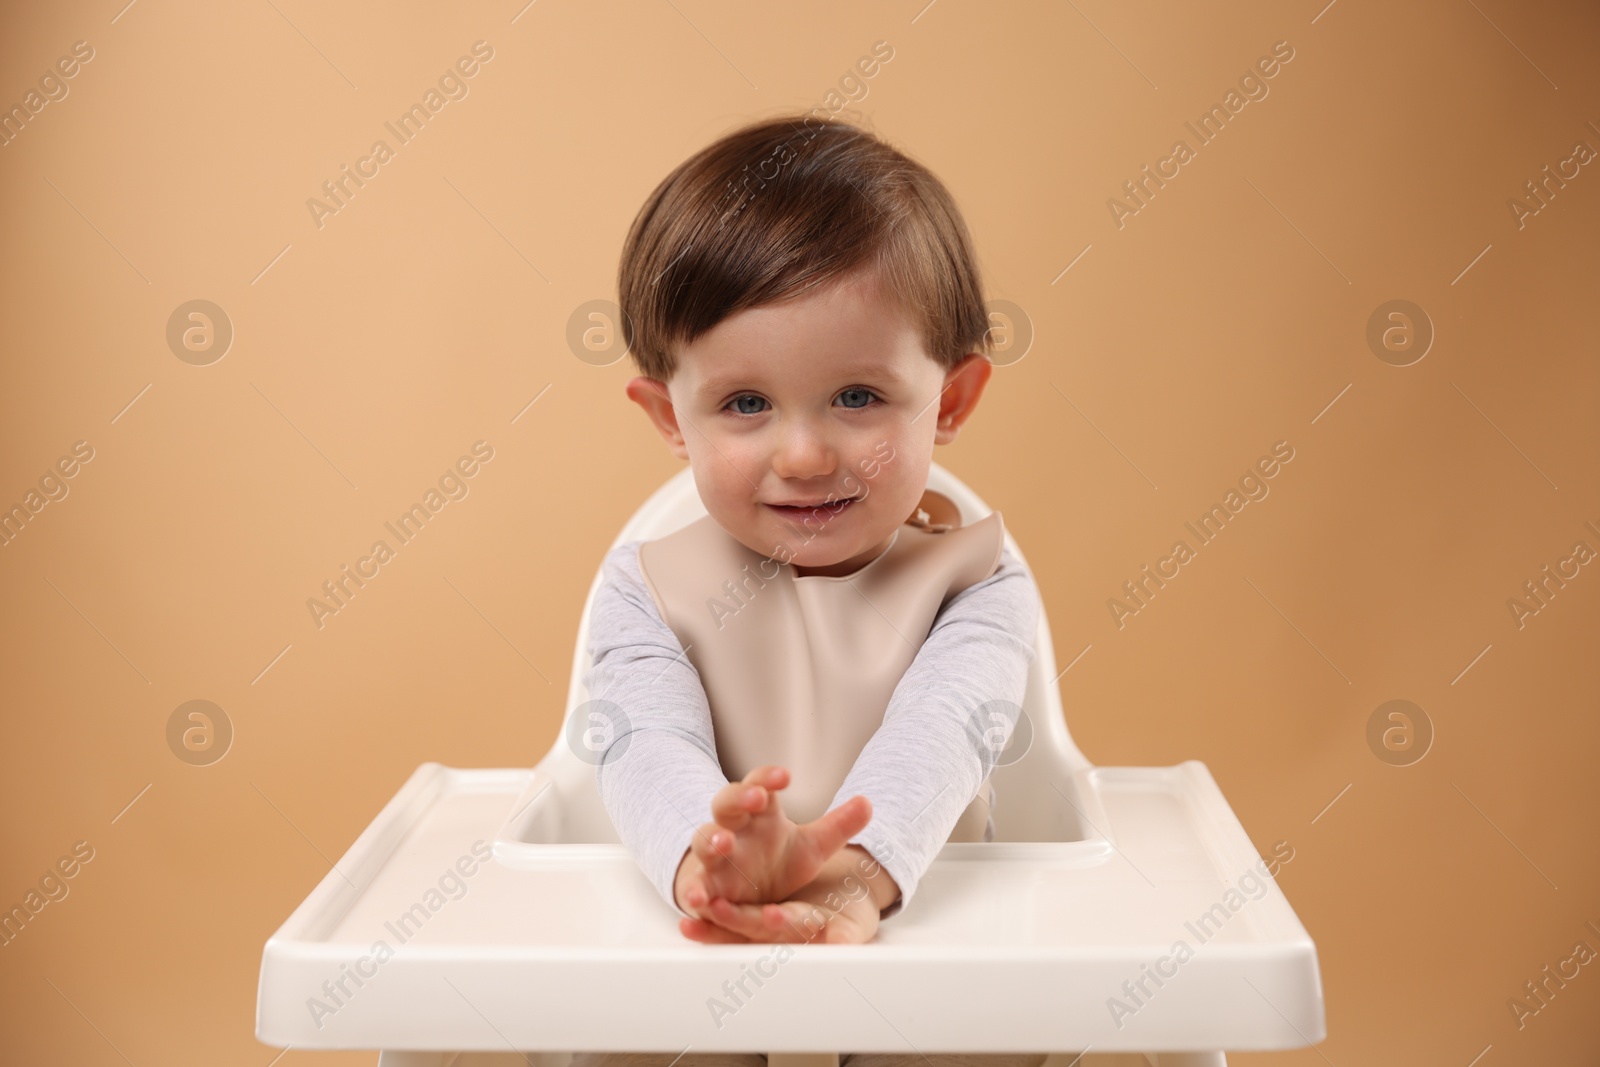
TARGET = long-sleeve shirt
x,y
920,769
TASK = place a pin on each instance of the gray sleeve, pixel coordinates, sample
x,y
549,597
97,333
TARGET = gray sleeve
x,y
658,775
924,764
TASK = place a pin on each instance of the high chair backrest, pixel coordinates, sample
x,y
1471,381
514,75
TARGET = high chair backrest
x,y
1028,802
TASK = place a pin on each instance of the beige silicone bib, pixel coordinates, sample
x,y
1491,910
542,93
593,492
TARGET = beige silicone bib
x,y
798,669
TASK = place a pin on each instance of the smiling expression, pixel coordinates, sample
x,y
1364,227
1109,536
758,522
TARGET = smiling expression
x,y
829,396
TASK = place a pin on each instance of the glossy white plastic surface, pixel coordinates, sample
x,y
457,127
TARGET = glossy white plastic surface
x,y
1063,934
1012,946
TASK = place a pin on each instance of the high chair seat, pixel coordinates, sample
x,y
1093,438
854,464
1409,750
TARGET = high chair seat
x,y
1118,909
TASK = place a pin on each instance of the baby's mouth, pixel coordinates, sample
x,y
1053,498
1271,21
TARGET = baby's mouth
x,y
826,509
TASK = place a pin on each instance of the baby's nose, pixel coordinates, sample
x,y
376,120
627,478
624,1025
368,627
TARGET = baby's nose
x,y
804,452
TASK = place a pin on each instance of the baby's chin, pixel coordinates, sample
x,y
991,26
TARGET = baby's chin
x,y
817,545
855,549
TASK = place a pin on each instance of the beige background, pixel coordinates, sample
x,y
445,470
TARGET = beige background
x,y
1228,314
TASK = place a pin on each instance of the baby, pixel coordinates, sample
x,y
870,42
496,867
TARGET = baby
x,y
828,663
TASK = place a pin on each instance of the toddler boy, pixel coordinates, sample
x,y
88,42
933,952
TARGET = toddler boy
x,y
805,308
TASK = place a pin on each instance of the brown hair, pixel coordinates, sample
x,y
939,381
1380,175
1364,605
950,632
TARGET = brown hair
x,y
784,204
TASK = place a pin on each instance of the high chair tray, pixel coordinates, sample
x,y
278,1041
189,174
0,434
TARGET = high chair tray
x,y
418,939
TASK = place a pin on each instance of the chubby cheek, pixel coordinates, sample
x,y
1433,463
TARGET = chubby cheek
x,y
890,461
724,473
900,484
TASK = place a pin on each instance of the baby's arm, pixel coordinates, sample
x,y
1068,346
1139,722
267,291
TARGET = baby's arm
x,y
924,764
658,790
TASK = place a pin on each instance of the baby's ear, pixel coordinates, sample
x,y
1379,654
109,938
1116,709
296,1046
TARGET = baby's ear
x,y
651,394
963,387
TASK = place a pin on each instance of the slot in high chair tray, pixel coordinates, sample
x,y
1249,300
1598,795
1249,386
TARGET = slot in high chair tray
x,y
1016,946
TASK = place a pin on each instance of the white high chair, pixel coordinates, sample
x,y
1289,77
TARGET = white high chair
x,y
1021,944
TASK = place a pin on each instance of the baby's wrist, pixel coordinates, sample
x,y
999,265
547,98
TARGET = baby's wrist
x,y
855,861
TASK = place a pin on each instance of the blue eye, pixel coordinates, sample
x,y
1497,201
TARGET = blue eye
x,y
741,404
746,396
868,394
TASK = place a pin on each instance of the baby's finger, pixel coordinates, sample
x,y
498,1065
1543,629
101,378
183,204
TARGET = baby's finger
x,y
709,933
801,921
769,775
712,845
757,922
733,804
697,895
829,833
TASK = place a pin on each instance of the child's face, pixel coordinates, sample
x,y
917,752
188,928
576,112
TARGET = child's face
x,y
824,397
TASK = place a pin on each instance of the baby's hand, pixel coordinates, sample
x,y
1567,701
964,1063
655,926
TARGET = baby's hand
x,y
752,853
837,907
